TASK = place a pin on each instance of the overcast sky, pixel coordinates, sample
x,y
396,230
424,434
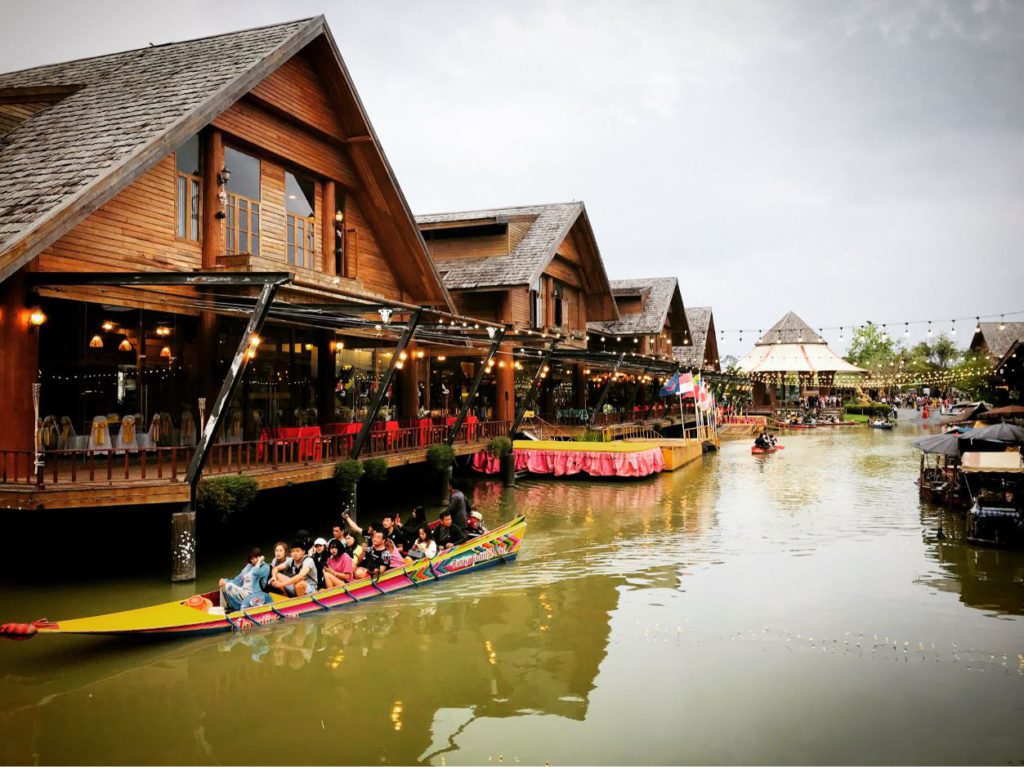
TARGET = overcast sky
x,y
850,161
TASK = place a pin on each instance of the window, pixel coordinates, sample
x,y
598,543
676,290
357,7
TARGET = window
x,y
559,305
243,204
536,306
300,202
189,175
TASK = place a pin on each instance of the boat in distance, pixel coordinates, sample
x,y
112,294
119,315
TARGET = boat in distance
x,y
755,450
194,616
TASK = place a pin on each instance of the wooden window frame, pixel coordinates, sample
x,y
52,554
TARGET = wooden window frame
x,y
233,230
307,240
193,205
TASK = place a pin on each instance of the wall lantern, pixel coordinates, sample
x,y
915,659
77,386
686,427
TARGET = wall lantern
x,y
96,342
36,317
224,176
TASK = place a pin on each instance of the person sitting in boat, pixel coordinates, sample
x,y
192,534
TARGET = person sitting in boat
x,y
249,587
376,559
393,531
320,559
448,534
297,576
476,525
424,545
280,555
339,568
397,559
762,441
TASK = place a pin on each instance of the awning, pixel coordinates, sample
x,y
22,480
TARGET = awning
x,y
1003,463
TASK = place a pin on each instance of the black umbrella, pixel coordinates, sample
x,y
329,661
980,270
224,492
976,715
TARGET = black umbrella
x,y
939,444
997,432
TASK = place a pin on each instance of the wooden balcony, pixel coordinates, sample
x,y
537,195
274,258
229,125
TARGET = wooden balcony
x,y
155,475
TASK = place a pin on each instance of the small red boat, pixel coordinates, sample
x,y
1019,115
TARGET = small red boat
x,y
755,450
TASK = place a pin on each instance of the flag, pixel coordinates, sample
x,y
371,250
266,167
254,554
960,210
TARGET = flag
x,y
671,387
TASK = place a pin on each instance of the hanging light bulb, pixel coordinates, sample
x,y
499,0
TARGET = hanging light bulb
x,y
977,324
125,345
840,334
107,326
1002,325
929,328
96,342
953,327
906,329
165,352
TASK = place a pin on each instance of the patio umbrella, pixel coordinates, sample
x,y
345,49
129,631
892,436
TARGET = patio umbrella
x,y
939,444
997,432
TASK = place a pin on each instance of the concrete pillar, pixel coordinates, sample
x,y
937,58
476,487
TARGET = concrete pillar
x,y
183,545
19,342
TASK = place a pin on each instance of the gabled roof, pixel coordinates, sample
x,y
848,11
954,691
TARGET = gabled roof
x,y
998,341
114,117
660,295
699,320
791,330
550,225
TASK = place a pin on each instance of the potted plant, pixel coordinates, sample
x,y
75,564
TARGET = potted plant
x,y
501,447
347,474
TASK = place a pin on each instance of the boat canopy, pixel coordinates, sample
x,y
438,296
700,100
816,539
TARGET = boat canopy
x,y
1004,463
939,444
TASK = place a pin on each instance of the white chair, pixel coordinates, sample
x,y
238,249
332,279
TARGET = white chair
x,y
99,435
128,438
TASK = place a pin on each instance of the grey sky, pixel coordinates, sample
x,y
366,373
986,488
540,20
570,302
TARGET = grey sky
x,y
849,161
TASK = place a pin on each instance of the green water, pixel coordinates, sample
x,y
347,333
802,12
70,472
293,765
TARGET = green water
x,y
787,608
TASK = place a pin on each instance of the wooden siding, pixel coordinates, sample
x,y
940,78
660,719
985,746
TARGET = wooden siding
x,y
486,306
13,115
468,247
134,231
295,89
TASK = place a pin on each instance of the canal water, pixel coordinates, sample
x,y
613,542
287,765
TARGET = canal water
x,y
793,608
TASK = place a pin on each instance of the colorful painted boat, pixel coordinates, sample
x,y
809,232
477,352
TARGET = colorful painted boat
x,y
755,450
798,426
183,619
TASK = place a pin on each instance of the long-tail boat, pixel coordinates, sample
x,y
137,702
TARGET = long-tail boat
x,y
200,614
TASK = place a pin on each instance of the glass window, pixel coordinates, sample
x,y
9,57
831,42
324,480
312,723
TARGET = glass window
x,y
245,173
300,195
187,157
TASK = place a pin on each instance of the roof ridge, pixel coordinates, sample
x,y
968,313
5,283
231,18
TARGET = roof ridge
x,y
127,51
497,208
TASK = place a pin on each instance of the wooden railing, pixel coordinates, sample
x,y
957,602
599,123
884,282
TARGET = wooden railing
x,y
170,462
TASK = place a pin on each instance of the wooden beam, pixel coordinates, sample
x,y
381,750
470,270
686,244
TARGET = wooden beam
x,y
214,241
328,235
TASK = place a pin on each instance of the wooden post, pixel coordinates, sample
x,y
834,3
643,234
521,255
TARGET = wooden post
x,y
214,243
183,546
328,238
325,378
19,341
579,387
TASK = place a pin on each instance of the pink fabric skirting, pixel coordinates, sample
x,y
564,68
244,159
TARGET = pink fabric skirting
x,y
560,463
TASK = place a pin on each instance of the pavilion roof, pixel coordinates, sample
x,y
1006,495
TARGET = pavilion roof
x,y
791,330
793,346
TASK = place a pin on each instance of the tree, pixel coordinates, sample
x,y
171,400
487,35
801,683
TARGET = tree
x,y
871,349
943,352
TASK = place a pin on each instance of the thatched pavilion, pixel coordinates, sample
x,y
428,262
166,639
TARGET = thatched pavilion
x,y
792,353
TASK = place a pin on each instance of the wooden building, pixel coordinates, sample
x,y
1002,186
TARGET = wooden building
x,y
702,352
1002,343
537,269
233,155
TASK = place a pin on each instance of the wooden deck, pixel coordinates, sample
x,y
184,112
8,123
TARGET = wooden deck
x,y
128,480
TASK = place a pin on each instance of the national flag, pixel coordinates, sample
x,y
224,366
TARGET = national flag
x,y
671,387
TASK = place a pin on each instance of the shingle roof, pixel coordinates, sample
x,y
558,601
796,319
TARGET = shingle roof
x,y
699,320
1000,341
657,292
525,263
127,103
790,330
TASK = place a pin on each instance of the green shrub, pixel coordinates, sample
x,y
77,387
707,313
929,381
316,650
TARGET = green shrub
x,y
590,435
376,469
440,457
875,408
347,473
226,495
500,447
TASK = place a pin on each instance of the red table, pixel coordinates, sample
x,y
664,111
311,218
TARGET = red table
x,y
310,446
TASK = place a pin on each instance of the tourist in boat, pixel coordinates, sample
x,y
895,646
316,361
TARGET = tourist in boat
x,y
762,441
393,532
298,575
339,568
249,587
424,545
397,560
320,559
337,534
376,560
280,555
448,534
476,526
457,506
